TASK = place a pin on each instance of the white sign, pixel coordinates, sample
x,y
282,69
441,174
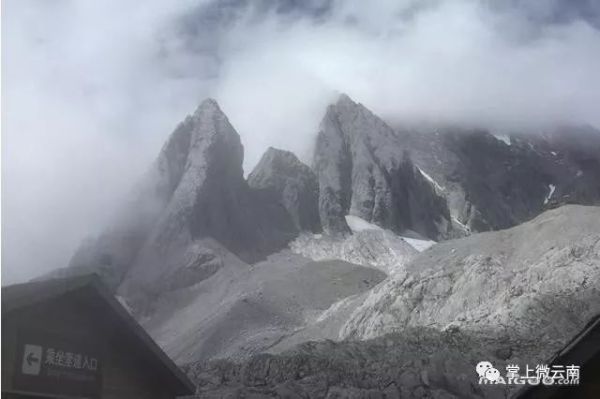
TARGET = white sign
x,y
32,359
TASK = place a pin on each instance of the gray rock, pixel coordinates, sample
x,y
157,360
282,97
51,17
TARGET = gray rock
x,y
194,192
495,181
387,367
241,310
540,279
425,329
363,171
293,184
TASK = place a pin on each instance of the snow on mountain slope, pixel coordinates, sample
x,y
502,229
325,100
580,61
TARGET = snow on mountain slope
x,y
495,181
419,245
551,189
357,224
503,137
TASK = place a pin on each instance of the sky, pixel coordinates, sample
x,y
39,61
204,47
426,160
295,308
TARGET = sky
x,y
91,89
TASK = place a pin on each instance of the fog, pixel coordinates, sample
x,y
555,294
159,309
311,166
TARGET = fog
x,y
90,90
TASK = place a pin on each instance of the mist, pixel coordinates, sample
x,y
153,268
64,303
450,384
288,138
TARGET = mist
x,y
91,90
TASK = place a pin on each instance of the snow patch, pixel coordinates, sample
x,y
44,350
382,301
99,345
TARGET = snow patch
x,y
419,245
124,303
431,180
551,187
357,224
553,153
462,225
503,137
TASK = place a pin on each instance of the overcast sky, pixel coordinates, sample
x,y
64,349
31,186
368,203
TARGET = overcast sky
x,y
91,89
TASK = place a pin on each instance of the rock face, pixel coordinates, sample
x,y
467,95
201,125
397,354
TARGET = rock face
x,y
219,267
281,175
509,297
194,192
495,181
210,199
363,171
418,363
539,279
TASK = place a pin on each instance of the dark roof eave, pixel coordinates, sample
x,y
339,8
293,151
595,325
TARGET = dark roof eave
x,y
18,296
138,330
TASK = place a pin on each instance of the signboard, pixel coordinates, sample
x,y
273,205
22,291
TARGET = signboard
x,y
58,364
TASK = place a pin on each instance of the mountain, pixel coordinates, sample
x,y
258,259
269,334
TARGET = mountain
x,y
246,309
434,184
538,279
195,195
511,297
194,192
397,248
363,170
495,181
281,174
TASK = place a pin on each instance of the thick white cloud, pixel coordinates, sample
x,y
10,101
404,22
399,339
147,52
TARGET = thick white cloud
x,y
91,89
451,61
86,102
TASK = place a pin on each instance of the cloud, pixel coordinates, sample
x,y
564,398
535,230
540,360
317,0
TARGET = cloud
x,y
92,89
87,101
441,61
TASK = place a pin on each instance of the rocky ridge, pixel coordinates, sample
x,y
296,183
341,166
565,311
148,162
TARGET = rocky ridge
x,y
510,297
280,174
217,266
364,170
493,180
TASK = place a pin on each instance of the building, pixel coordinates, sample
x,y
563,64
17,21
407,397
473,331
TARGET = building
x,y
71,338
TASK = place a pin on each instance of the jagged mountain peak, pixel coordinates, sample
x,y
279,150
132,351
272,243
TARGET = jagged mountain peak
x,y
206,121
274,153
208,106
280,161
345,100
197,194
344,105
363,171
282,176
209,119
